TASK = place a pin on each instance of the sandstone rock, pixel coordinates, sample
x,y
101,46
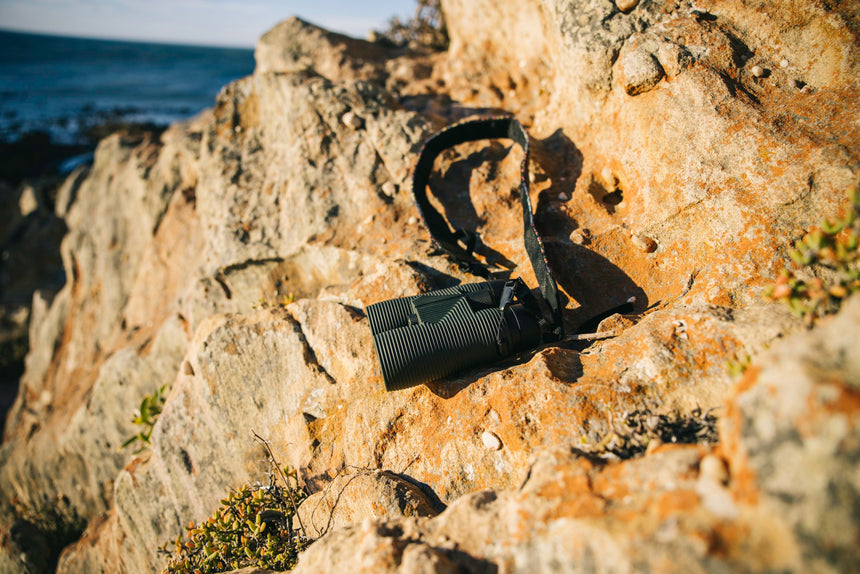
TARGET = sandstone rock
x,y
232,258
793,412
641,72
353,498
298,46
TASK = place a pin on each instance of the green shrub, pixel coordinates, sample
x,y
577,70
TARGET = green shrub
x,y
252,527
831,251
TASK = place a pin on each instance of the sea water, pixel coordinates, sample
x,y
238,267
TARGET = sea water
x,y
64,86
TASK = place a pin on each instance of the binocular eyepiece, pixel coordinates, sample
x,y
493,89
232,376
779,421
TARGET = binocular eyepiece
x,y
428,337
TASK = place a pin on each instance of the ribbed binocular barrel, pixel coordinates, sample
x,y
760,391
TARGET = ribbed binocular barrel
x,y
428,337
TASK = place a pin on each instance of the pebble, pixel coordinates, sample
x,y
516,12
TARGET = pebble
x,y
188,369
608,178
783,64
757,71
388,189
580,236
642,72
412,220
644,243
491,441
351,120
28,202
563,196
626,5
712,467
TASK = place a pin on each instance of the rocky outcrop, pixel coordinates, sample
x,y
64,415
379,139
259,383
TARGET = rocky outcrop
x,y
231,258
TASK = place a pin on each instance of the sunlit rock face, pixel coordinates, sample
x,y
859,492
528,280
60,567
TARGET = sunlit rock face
x,y
678,150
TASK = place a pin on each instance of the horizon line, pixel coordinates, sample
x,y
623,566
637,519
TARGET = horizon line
x,y
73,36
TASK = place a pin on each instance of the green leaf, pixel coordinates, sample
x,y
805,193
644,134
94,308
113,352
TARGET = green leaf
x,y
129,442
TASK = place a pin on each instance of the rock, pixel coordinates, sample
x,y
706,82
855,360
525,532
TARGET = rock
x,y
641,72
350,499
626,5
295,46
644,243
792,445
491,441
580,236
232,257
351,120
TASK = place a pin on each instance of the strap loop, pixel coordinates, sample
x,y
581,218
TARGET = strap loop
x,y
450,241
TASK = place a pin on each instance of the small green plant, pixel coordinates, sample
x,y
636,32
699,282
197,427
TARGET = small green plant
x,y
833,248
145,417
252,527
285,300
738,364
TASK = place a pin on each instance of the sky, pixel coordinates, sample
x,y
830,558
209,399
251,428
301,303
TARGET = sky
x,y
205,22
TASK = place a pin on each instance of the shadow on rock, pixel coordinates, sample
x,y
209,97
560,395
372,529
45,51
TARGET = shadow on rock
x,y
596,283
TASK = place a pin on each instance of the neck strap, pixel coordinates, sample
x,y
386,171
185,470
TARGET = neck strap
x,y
459,243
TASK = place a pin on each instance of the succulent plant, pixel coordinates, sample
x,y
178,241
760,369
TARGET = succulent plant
x,y
832,250
252,527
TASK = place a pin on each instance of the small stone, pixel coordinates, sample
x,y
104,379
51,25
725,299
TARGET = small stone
x,y
608,178
388,189
351,120
491,441
28,202
798,84
188,369
673,58
644,243
563,196
783,64
641,72
716,498
712,467
626,5
757,71
412,220
580,236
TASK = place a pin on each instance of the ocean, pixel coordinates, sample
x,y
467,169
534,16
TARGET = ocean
x,y
65,86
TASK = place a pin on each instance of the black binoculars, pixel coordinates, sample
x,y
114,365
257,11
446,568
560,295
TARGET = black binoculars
x,y
428,337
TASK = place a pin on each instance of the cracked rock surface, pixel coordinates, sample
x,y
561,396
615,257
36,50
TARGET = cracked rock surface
x,y
232,257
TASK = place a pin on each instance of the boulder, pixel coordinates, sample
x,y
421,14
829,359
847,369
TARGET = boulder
x,y
232,257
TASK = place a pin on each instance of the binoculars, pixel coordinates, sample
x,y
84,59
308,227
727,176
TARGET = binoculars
x,y
428,337
431,336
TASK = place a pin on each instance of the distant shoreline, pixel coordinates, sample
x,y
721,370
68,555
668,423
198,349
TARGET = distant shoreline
x,y
72,88
243,48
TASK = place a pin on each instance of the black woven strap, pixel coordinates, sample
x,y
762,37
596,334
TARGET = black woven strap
x,y
459,243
